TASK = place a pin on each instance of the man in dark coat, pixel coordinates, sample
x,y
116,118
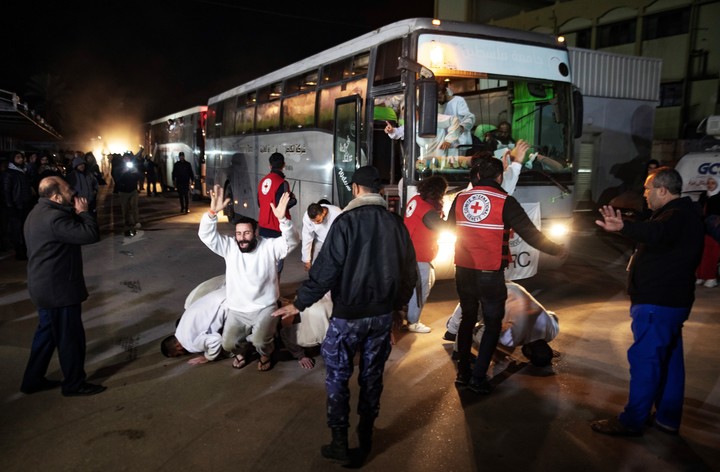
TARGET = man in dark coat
x,y
17,190
55,230
368,264
183,176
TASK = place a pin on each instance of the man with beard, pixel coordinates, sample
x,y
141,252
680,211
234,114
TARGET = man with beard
x,y
251,277
55,230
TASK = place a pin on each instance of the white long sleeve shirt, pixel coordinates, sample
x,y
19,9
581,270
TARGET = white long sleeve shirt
x,y
251,278
200,325
457,106
312,231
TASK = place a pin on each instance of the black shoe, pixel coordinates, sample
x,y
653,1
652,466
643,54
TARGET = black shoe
x,y
613,427
481,387
455,356
127,234
86,389
448,336
652,422
40,387
462,378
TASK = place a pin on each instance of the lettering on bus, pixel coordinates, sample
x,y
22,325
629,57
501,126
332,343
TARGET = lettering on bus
x,y
295,149
709,168
521,259
268,149
343,178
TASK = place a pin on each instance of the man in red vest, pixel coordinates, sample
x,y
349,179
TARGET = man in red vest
x,y
484,217
270,189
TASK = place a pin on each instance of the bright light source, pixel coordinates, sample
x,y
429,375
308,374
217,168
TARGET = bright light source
x,y
558,230
436,22
436,55
561,39
446,252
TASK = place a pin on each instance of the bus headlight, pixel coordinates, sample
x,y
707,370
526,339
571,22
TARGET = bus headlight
x,y
558,232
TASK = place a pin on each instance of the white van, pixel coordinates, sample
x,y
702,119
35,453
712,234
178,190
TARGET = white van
x,y
696,167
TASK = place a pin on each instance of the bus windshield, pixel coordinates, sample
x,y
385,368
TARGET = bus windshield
x,y
488,102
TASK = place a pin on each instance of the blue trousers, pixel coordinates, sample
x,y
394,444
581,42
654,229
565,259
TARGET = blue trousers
x,y
657,366
370,336
61,329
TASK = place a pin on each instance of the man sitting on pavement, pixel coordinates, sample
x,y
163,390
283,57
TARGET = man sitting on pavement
x,y
251,277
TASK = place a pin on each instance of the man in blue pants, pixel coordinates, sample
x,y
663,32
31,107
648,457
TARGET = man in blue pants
x,y
661,285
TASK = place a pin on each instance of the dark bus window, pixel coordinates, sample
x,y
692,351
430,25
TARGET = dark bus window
x,y
360,65
268,117
328,95
244,120
386,63
228,125
337,71
301,83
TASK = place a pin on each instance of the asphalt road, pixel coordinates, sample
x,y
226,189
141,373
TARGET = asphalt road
x,y
163,414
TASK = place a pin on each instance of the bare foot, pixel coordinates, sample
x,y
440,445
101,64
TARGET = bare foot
x,y
264,364
307,363
239,362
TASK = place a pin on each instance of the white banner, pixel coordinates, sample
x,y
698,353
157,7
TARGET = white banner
x,y
525,258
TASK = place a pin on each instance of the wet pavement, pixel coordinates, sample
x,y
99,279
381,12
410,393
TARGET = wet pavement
x,y
163,414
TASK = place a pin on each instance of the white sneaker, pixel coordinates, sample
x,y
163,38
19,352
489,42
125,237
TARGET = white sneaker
x,y
699,282
419,328
711,283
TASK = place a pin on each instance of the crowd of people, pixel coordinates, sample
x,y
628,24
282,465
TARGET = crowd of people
x,y
341,308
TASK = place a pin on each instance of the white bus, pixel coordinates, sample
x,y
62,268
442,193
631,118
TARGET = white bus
x,y
183,131
327,115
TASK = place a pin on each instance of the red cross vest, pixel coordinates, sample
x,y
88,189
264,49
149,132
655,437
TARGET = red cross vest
x,y
267,188
423,238
481,237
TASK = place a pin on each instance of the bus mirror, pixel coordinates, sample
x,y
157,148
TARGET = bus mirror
x,y
577,113
428,105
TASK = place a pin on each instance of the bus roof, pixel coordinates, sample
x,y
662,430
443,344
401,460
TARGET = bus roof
x,y
176,115
392,31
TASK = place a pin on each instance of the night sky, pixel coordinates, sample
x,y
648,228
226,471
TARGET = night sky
x,y
129,61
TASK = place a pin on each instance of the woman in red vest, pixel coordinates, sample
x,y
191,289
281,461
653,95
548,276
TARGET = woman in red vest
x,y
424,219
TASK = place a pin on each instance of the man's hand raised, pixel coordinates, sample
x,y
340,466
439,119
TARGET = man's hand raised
x,y
217,204
281,208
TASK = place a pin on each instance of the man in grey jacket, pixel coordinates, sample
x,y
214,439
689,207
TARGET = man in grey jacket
x,y
55,230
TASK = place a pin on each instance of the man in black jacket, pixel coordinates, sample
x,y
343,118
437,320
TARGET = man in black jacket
x,y
368,264
55,230
661,285
18,194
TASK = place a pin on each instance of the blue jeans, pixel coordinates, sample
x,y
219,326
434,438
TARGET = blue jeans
x,y
61,329
477,288
657,366
370,336
427,280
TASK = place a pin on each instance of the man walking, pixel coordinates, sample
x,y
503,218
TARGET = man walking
x,y
661,285
368,263
182,175
55,230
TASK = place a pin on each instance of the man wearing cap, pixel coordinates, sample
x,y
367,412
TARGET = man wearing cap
x,y
368,263
270,189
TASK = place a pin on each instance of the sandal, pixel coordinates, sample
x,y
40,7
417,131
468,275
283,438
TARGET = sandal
x,y
613,427
265,363
239,361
